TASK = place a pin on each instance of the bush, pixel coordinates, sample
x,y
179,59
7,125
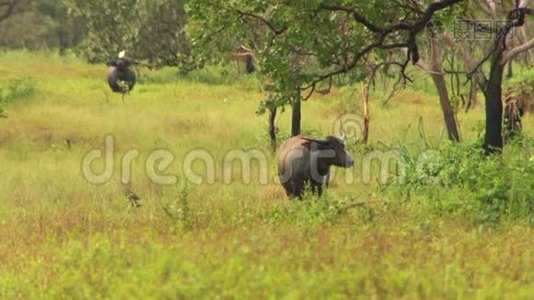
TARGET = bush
x,y
458,178
17,89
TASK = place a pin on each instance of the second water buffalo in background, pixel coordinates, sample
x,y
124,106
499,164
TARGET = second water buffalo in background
x,y
121,76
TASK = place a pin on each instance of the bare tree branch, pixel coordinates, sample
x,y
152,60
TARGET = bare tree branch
x,y
516,18
469,62
346,68
510,54
417,26
264,21
483,6
413,29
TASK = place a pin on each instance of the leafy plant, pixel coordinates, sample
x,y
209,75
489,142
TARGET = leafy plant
x,y
314,210
458,178
17,89
180,210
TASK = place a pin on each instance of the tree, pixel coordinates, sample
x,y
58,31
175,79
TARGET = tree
x,y
150,31
41,24
434,67
332,39
500,54
69,28
307,43
467,45
10,7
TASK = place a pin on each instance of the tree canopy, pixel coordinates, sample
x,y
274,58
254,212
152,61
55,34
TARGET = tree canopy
x,y
303,44
152,31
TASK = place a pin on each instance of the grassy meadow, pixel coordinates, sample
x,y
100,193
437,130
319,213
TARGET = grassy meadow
x,y
64,237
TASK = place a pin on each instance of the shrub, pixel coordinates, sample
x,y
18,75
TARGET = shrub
x,y
17,89
458,178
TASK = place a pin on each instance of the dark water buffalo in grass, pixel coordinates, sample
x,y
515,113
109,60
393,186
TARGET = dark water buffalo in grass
x,y
306,161
121,76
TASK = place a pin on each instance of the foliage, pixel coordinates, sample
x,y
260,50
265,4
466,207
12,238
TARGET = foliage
x,y
180,210
151,31
458,178
9,8
28,29
522,84
43,24
17,89
300,45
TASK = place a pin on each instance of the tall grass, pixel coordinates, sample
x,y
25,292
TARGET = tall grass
x,y
63,237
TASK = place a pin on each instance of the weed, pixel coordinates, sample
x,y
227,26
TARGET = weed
x,y
179,210
17,89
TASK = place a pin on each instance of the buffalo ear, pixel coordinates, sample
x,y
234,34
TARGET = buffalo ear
x,y
111,63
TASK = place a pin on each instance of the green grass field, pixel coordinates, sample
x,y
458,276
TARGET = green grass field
x,y
63,237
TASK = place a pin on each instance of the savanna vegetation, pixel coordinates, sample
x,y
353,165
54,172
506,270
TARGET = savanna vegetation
x,y
447,216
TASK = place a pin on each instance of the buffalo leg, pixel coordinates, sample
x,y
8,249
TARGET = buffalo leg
x,y
317,186
288,187
298,186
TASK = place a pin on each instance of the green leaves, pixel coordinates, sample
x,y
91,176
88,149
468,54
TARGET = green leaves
x,y
19,88
300,43
457,178
150,31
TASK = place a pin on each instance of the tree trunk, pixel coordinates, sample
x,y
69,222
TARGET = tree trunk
x,y
77,30
249,64
493,141
63,38
366,114
272,127
295,117
510,73
473,100
439,81
529,56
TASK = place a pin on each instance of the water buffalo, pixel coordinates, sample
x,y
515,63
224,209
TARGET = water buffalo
x,y
304,160
121,76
